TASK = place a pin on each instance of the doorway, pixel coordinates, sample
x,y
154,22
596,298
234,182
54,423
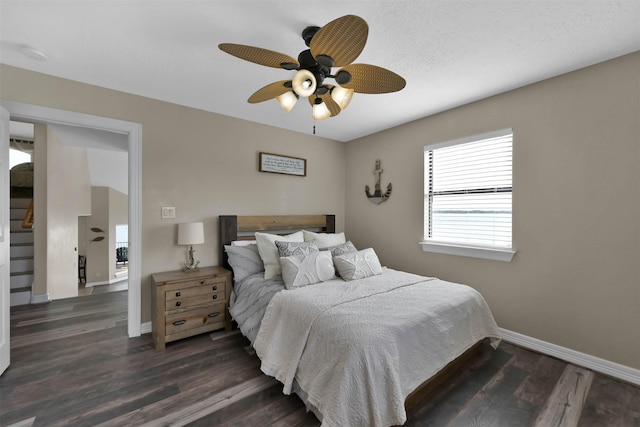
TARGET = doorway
x,y
133,131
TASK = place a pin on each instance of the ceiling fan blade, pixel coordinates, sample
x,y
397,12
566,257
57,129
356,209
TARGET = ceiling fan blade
x,y
260,56
367,78
270,91
341,39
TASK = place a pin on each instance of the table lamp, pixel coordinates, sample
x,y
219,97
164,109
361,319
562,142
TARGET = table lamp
x,y
190,234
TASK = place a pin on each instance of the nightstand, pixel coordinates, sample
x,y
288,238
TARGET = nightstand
x,y
187,304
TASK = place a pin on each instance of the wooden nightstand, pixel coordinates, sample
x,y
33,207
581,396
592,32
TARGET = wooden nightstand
x,y
187,304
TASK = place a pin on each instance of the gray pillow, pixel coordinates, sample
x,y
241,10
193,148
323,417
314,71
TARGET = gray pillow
x,y
344,248
358,265
286,249
244,260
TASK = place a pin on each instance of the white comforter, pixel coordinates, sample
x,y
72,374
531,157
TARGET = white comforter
x,y
358,349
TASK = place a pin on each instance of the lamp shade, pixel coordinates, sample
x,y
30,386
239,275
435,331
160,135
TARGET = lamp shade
x,y
191,233
320,111
304,83
342,96
287,100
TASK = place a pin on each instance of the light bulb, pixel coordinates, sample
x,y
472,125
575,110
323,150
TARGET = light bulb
x,y
304,83
342,96
320,111
287,100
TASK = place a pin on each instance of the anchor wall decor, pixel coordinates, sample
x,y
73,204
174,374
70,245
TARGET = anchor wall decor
x,y
378,196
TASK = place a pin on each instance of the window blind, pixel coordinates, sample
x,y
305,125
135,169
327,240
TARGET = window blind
x,y
468,187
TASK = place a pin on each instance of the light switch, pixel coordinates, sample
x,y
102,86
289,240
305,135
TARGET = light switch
x,y
168,212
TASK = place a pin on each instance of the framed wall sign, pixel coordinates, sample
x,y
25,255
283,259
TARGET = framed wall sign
x,y
275,163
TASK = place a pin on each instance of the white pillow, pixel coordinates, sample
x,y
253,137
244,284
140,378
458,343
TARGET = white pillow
x,y
358,265
243,242
324,240
269,251
302,270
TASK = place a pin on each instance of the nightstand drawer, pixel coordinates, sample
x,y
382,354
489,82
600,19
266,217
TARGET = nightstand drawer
x,y
194,296
196,287
177,323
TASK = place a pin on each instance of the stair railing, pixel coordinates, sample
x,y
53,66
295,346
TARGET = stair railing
x,y
27,221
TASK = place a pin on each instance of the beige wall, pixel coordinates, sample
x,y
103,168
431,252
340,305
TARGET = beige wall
x,y
203,164
68,196
97,252
575,280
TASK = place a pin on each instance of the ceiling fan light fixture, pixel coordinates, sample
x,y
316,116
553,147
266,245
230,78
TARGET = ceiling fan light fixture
x,y
342,96
320,110
287,100
304,83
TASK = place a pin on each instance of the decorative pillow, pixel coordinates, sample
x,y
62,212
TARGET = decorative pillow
x,y
269,251
345,248
244,260
358,265
324,240
295,248
302,270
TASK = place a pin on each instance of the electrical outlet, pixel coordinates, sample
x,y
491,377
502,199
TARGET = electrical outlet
x,y
168,212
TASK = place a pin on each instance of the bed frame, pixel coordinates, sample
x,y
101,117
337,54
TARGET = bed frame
x,y
233,227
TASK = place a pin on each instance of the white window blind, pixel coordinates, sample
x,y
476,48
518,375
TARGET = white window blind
x,y
468,186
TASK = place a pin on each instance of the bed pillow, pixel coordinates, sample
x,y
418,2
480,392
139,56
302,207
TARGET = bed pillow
x,y
358,265
243,242
244,260
269,251
324,240
303,270
345,248
295,248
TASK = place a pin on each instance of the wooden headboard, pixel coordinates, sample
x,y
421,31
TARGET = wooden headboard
x,y
234,227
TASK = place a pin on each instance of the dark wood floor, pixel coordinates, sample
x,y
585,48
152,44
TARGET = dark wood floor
x,y
73,365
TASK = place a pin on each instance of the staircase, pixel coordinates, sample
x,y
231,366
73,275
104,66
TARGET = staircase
x,y
21,254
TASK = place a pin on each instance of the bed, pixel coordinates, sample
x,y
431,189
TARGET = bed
x,y
358,349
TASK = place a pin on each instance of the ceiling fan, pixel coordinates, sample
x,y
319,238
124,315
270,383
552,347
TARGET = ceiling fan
x,y
337,44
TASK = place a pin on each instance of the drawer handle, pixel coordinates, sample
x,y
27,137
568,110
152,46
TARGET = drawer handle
x,y
214,297
179,322
202,282
177,294
178,303
215,287
214,314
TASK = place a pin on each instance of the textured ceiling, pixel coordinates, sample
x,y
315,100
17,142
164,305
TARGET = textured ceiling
x,y
449,52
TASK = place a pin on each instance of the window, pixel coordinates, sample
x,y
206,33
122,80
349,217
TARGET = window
x,y
467,197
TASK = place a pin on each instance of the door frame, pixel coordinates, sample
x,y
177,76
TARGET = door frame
x,y
36,113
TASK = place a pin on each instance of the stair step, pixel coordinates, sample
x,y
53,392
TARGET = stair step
x,y
16,226
21,280
22,289
21,250
21,264
20,202
20,298
17,213
25,236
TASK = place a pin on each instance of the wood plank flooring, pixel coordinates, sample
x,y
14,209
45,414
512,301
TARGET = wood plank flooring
x,y
73,365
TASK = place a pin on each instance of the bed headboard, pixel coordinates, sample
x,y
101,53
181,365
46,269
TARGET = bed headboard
x,y
234,227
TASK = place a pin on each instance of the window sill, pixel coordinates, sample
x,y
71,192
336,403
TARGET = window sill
x,y
505,255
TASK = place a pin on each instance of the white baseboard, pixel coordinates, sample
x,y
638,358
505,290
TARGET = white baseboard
x,y
622,372
40,299
145,328
106,282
